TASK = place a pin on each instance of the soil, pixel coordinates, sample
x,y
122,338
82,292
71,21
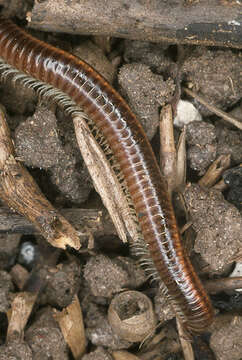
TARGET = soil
x,y
44,139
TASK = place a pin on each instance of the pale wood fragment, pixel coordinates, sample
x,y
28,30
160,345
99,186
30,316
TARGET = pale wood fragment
x,y
71,323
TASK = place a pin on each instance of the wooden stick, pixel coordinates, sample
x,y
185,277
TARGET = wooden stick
x,y
20,192
206,22
215,171
84,220
223,284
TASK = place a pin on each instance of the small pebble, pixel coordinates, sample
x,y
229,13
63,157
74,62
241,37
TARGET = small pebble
x,y
186,113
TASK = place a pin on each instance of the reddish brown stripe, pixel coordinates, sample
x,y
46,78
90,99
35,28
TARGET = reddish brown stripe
x,y
134,153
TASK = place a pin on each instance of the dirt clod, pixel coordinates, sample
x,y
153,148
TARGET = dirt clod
x,y
145,92
107,276
218,225
216,75
45,338
61,284
99,354
202,151
99,332
226,338
15,351
39,145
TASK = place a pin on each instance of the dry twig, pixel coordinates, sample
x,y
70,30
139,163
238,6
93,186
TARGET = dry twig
x,y
215,171
214,109
20,192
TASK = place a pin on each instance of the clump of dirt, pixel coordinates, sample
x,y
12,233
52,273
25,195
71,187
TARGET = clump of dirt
x,y
216,75
145,92
216,222
202,150
39,144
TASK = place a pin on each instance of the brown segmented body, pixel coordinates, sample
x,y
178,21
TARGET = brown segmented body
x,y
132,149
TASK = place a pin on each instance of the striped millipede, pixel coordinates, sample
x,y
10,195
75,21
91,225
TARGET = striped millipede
x,y
128,142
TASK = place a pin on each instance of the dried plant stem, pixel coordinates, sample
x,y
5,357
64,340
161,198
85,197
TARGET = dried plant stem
x,y
214,109
181,165
168,149
105,181
215,171
20,192
173,162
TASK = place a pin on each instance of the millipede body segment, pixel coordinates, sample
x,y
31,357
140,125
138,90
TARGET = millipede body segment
x,y
129,144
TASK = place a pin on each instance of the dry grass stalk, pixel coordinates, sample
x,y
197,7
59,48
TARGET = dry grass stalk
x,y
168,149
105,181
181,165
20,192
214,109
215,171
173,162
70,321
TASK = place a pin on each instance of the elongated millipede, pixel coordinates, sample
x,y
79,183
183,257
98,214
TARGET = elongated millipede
x,y
126,138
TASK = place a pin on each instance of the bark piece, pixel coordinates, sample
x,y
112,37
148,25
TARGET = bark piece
x,y
19,275
84,220
210,23
124,355
21,309
70,321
